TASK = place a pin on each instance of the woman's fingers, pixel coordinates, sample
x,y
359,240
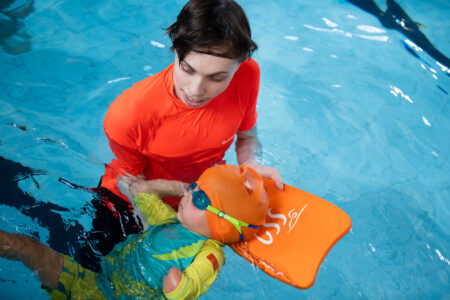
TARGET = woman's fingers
x,y
271,173
276,177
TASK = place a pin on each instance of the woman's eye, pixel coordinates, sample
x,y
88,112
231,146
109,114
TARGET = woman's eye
x,y
218,79
187,70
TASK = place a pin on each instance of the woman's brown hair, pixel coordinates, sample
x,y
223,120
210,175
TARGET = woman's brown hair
x,y
215,27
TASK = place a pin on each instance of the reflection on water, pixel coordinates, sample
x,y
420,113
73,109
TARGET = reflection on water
x,y
396,18
14,38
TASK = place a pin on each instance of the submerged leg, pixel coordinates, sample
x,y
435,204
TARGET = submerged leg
x,y
34,255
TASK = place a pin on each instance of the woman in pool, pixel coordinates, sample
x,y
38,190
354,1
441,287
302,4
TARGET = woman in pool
x,y
177,123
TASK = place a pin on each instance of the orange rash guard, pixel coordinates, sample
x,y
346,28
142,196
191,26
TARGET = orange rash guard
x,y
152,132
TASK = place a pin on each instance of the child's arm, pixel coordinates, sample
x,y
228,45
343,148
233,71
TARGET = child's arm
x,y
153,208
198,277
149,207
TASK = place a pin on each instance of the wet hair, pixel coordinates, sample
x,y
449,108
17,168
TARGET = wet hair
x,y
210,26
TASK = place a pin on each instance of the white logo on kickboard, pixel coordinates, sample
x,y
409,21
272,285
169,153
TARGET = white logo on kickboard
x,y
293,216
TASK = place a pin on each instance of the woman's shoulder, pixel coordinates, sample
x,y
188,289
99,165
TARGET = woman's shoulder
x,y
246,81
144,90
248,75
137,99
249,68
136,106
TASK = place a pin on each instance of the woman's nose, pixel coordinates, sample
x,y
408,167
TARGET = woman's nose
x,y
198,88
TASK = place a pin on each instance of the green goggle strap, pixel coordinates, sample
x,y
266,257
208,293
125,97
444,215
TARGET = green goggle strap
x,y
237,223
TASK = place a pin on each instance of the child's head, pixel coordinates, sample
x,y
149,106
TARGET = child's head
x,y
227,203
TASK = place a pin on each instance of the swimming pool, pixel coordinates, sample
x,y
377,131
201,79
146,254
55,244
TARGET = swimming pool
x,y
348,110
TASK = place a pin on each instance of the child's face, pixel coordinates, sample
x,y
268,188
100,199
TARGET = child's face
x,y
191,217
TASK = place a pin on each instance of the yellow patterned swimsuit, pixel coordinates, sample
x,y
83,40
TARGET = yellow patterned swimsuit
x,y
135,268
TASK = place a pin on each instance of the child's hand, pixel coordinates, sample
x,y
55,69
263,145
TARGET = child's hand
x,y
172,280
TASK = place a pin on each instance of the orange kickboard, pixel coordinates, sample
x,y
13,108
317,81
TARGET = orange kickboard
x,y
299,231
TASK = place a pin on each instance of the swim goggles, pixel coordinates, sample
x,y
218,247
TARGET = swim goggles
x,y
201,201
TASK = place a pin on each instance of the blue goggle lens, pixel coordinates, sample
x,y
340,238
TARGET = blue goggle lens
x,y
199,198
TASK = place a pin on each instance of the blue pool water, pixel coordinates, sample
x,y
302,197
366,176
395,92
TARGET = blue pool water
x,y
349,110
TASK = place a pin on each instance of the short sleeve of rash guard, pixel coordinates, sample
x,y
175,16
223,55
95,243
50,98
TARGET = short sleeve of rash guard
x,y
248,88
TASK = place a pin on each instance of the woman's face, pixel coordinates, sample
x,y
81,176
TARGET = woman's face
x,y
201,77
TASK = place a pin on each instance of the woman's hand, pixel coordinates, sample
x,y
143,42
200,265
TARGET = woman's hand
x,y
268,172
137,184
124,184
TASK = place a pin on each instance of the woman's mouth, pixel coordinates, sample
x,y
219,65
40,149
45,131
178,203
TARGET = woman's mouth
x,y
193,103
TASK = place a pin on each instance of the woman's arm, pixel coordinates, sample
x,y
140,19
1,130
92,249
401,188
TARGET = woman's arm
x,y
134,185
130,164
129,160
248,147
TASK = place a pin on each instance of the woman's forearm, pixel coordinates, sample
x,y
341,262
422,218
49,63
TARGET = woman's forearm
x,y
161,187
248,152
248,147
